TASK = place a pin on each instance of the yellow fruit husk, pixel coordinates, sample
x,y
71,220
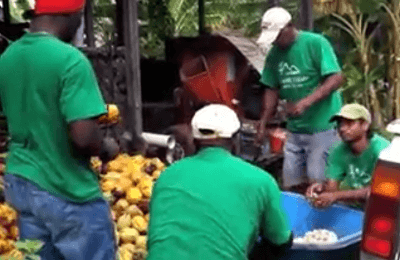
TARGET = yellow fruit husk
x,y
108,185
124,221
14,232
128,235
147,217
156,174
128,246
120,206
14,254
139,223
141,242
134,195
125,184
146,185
134,210
157,162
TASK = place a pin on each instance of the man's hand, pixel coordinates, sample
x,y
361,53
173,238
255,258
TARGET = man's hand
x,y
325,199
298,108
315,189
260,135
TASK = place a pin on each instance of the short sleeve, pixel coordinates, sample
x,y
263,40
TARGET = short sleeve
x,y
325,56
269,75
274,220
81,97
335,169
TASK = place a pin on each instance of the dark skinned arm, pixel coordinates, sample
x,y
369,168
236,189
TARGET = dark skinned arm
x,y
331,83
88,141
332,194
270,103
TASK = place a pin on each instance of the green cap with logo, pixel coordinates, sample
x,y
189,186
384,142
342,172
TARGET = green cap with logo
x,y
353,112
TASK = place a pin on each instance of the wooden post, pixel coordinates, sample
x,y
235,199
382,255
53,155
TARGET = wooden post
x,y
89,31
132,54
306,15
201,17
272,3
6,12
120,22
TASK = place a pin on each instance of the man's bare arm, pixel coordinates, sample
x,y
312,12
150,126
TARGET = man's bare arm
x,y
270,104
353,194
332,83
88,141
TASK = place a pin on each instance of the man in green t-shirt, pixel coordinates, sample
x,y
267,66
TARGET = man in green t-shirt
x,y
213,205
352,161
302,69
51,100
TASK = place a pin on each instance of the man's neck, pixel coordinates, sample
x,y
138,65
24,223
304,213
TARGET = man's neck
x,y
359,146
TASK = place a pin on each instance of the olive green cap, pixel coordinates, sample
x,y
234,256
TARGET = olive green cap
x,y
353,112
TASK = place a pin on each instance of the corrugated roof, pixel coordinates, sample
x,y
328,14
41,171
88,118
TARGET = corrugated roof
x,y
247,46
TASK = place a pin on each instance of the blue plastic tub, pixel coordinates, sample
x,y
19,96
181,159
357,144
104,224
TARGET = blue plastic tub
x,y
346,222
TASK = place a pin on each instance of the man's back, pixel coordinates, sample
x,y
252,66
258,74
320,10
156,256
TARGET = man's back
x,y
211,206
45,84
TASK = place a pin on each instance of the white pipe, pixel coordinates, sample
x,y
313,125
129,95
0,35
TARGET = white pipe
x,y
159,140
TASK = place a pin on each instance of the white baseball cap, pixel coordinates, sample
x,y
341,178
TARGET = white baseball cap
x,y
215,121
274,19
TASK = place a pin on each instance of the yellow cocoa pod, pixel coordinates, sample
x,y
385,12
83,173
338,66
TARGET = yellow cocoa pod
x,y
113,176
3,233
124,221
14,233
124,254
137,176
134,195
14,254
141,242
125,184
156,174
113,112
121,205
6,246
128,246
140,254
157,162
115,166
134,210
108,185
128,235
146,185
147,217
139,223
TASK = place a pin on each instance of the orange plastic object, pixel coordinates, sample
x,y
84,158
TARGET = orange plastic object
x,y
207,79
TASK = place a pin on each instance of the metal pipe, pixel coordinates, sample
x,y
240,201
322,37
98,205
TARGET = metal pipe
x,y
159,140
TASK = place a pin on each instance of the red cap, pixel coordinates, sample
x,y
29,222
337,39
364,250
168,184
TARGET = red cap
x,y
58,6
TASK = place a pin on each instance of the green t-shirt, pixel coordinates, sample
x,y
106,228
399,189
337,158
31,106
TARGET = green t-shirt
x,y
297,72
354,171
212,206
45,84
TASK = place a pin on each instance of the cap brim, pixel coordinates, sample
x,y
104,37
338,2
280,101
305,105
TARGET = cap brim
x,y
336,117
267,37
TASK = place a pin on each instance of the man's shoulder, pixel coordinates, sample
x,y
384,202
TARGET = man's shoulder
x,y
379,143
312,36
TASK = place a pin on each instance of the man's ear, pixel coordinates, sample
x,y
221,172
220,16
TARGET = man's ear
x,y
365,126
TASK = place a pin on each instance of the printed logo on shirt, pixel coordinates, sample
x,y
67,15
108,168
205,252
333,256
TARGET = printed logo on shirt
x,y
291,77
358,177
288,70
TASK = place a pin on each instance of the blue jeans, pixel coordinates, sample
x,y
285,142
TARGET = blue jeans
x,y
305,157
70,231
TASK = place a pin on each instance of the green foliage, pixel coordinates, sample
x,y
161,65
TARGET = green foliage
x,y
30,249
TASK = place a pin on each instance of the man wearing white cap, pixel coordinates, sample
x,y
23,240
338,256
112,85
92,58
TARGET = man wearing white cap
x,y
213,205
302,69
352,161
